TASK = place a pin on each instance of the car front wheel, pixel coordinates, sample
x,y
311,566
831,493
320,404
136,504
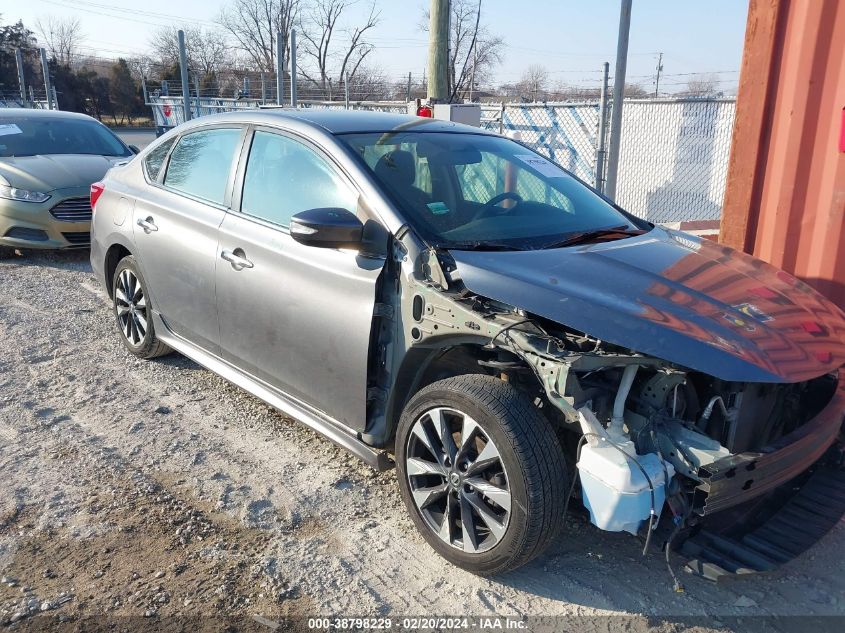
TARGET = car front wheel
x,y
481,472
133,313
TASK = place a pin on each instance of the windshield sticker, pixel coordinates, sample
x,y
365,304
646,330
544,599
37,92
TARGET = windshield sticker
x,y
9,128
542,165
438,208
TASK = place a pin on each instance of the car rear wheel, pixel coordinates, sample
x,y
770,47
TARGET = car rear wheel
x,y
481,472
133,313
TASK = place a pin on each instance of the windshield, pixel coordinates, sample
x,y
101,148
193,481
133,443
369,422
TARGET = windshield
x,y
28,136
477,191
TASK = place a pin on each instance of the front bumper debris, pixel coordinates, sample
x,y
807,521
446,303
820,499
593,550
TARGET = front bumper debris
x,y
776,529
738,479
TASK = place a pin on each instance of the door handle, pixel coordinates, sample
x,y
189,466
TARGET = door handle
x,y
148,225
237,258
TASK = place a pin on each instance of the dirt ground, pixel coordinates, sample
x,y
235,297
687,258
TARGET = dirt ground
x,y
133,492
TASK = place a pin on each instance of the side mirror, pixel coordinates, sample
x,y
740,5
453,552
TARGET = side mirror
x,y
330,227
134,149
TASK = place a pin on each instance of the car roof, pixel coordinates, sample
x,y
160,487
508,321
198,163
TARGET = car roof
x,y
343,121
36,113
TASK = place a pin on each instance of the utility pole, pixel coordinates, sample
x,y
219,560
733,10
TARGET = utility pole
x,y
618,95
293,68
21,77
438,51
280,69
659,70
183,73
409,88
45,70
601,151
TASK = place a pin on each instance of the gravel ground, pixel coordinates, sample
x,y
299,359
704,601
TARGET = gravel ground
x,y
155,489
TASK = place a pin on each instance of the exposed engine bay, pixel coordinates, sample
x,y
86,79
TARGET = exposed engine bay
x,y
645,434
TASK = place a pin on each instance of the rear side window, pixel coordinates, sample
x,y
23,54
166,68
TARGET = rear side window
x,y
155,159
201,162
284,177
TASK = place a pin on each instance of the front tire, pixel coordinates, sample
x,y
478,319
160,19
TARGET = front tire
x,y
481,472
133,312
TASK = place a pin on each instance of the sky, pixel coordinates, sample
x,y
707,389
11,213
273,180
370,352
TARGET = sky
x,y
570,38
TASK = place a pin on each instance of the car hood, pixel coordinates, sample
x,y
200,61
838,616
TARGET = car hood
x,y
46,173
676,297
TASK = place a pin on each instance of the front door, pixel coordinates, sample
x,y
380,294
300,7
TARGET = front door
x,y
176,230
296,317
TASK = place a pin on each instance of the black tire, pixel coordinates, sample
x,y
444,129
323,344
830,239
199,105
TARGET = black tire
x,y
529,450
142,344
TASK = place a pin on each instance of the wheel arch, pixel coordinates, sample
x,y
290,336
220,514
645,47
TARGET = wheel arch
x,y
422,366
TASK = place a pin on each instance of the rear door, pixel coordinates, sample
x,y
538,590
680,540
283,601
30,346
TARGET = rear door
x,y
296,317
176,230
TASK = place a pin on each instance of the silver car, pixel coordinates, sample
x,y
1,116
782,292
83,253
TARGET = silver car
x,y
399,282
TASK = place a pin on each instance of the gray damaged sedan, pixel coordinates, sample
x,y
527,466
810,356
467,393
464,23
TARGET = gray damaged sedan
x,y
517,342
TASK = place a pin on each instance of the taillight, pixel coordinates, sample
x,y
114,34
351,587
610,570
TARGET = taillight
x,y
425,111
97,190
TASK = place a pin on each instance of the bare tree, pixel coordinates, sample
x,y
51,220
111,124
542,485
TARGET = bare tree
x,y
254,24
322,45
63,37
471,47
207,49
706,85
534,82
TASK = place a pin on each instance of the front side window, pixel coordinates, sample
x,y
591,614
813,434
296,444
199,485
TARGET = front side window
x,y
284,177
201,162
482,190
155,159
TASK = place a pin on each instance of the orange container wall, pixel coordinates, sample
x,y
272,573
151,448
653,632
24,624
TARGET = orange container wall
x,y
785,196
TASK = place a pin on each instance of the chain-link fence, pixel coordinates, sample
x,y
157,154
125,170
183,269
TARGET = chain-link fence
x,y
673,159
674,153
567,134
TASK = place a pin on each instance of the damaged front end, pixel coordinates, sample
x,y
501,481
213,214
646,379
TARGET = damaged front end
x,y
652,438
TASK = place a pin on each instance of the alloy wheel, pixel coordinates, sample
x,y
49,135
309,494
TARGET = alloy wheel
x,y
458,480
131,306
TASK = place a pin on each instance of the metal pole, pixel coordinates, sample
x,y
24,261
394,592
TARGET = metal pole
x,y
502,119
409,87
601,150
45,70
438,51
346,90
183,72
280,66
293,68
263,89
21,78
618,95
55,97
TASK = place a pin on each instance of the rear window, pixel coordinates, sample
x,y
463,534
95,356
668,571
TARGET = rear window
x,y
30,136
